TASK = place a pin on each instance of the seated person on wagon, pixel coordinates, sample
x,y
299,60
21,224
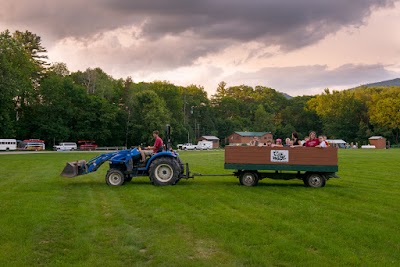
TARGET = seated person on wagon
x,y
254,142
306,138
322,142
296,141
313,141
157,147
326,140
278,143
288,142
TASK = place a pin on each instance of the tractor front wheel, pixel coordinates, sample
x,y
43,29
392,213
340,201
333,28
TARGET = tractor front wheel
x,y
115,177
164,171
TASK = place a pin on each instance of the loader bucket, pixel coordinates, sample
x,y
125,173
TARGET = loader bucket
x,y
73,169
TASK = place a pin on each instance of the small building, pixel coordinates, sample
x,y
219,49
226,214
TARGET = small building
x,y
213,139
238,138
377,141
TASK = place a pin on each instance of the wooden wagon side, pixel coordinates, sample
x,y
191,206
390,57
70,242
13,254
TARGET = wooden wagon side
x,y
318,163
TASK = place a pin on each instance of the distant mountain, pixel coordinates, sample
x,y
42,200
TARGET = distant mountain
x,y
387,83
286,95
394,82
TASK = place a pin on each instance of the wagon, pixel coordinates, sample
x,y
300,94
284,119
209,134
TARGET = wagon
x,y
312,165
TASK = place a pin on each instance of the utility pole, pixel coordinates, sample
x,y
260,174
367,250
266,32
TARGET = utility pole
x,y
184,111
127,128
191,112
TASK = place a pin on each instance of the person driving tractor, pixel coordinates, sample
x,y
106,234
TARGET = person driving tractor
x,y
157,147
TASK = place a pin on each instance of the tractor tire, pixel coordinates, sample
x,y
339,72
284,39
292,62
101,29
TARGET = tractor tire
x,y
128,178
314,180
181,165
164,171
248,178
115,177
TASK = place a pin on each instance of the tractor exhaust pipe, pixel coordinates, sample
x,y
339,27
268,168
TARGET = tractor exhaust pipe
x,y
73,169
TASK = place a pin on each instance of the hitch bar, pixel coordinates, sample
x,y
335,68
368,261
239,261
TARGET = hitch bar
x,y
222,174
189,175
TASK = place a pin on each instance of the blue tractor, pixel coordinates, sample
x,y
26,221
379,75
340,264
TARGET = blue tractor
x,y
163,168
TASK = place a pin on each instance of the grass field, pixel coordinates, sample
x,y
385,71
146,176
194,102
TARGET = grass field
x,y
209,221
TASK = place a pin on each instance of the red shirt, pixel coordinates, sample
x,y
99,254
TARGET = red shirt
x,y
157,144
312,142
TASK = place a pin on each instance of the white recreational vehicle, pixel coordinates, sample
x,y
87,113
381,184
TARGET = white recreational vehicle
x,y
8,144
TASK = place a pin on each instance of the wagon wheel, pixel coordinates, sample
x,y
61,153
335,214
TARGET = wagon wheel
x,y
248,179
314,180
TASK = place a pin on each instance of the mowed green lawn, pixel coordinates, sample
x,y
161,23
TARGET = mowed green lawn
x,y
209,221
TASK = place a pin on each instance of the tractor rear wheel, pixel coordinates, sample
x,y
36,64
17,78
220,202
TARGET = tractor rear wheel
x,y
164,171
180,164
180,167
128,178
115,177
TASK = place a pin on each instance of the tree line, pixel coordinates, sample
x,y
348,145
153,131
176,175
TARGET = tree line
x,y
47,101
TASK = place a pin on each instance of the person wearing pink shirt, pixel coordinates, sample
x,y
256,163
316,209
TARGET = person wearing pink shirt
x,y
313,141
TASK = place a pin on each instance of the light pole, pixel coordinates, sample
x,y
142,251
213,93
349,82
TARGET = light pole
x,y
127,128
191,112
196,125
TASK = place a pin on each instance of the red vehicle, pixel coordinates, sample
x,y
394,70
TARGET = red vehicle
x,y
87,145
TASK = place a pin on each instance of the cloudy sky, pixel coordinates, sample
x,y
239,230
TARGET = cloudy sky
x,y
295,46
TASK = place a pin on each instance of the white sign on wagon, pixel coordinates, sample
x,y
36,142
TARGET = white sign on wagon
x,y
279,155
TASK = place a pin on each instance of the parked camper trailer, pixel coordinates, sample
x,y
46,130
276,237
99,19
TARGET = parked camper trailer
x,y
32,144
8,144
204,145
